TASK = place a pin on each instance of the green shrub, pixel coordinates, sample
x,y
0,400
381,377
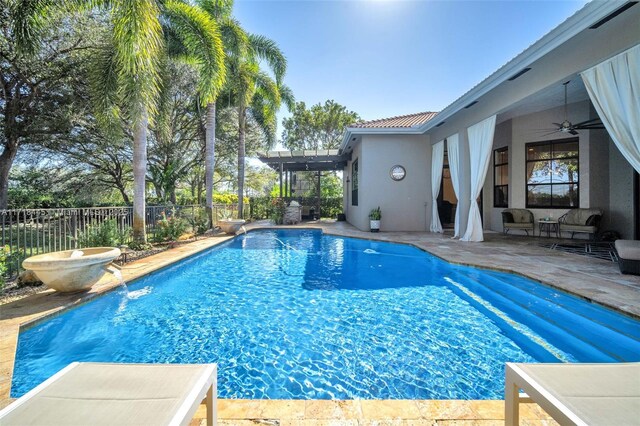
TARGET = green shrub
x,y
137,246
170,228
106,234
198,220
277,211
4,256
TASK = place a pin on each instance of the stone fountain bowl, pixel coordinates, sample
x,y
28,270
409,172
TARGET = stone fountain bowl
x,y
231,226
72,270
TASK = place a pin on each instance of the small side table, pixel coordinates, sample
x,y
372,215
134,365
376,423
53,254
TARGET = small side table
x,y
549,226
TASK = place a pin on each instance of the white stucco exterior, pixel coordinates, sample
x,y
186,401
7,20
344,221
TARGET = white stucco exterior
x,y
403,203
525,106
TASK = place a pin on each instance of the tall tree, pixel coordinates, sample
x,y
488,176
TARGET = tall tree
x,y
319,127
257,94
36,82
126,77
207,52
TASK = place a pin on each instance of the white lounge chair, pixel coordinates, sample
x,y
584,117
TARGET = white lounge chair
x,y
576,394
118,394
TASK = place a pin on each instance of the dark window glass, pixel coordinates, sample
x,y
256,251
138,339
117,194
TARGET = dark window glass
x,y
552,174
354,183
501,177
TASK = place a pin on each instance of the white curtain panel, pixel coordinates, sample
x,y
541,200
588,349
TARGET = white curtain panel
x,y
437,158
480,144
453,153
614,89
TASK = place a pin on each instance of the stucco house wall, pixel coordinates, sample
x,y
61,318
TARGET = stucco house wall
x,y
403,203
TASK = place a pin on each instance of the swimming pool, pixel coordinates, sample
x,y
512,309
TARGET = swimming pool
x,y
297,314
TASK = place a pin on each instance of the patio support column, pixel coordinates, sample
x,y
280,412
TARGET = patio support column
x,y
280,180
318,191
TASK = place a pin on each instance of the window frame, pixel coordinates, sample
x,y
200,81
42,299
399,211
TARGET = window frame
x,y
495,186
551,143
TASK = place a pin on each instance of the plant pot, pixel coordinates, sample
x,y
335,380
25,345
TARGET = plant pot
x,y
374,225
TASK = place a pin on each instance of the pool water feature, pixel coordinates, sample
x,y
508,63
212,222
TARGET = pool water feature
x,y
295,314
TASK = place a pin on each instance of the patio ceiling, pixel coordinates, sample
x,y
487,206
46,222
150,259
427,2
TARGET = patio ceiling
x,y
307,160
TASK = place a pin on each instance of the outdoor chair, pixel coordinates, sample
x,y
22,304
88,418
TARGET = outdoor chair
x,y
520,219
576,394
581,220
628,256
118,394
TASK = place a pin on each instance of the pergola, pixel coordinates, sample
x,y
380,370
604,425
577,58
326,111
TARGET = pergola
x,y
317,160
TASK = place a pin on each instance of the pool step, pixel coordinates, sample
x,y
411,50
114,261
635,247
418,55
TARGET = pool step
x,y
552,329
590,323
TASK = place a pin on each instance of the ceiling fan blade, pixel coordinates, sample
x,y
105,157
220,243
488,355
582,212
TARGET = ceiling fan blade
x,y
573,132
594,126
550,133
557,124
593,120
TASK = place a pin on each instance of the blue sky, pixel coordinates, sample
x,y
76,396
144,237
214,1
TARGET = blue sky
x,y
388,57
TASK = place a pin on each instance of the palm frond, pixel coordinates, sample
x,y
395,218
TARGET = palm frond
x,y
138,43
287,97
28,18
267,88
234,38
217,8
103,84
266,49
201,39
264,114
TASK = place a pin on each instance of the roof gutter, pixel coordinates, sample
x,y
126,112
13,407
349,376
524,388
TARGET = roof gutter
x,y
350,131
581,20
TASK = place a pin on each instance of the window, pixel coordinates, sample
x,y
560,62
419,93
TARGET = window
x,y
501,177
354,183
552,174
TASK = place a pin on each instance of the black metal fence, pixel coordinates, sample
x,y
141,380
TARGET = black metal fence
x,y
27,232
262,207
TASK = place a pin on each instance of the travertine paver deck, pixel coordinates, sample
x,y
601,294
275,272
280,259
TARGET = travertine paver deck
x,y
592,279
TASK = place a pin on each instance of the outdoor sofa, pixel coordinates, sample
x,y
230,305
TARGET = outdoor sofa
x,y
520,219
581,220
628,256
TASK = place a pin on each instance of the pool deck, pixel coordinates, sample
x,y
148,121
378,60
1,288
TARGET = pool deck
x,y
593,279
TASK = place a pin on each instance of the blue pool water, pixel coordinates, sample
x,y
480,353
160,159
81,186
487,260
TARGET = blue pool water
x,y
298,314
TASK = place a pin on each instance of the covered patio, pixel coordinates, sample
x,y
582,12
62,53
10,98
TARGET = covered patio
x,y
289,163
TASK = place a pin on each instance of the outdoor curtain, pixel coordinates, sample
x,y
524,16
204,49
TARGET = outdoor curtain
x,y
453,153
480,144
614,89
437,158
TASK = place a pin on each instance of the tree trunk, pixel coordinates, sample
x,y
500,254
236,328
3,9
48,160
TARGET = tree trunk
x,y
241,154
209,158
139,179
123,192
6,161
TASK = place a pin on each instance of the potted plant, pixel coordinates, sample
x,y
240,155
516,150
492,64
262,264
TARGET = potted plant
x,y
374,219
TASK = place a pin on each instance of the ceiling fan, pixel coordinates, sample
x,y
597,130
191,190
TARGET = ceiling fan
x,y
567,127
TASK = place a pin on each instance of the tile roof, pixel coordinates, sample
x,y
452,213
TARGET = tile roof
x,y
410,120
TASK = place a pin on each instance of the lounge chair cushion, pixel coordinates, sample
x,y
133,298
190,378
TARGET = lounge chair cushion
x,y
114,394
628,249
594,394
581,217
520,215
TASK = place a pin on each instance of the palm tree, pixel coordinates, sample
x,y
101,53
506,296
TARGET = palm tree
x,y
234,41
258,94
127,69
